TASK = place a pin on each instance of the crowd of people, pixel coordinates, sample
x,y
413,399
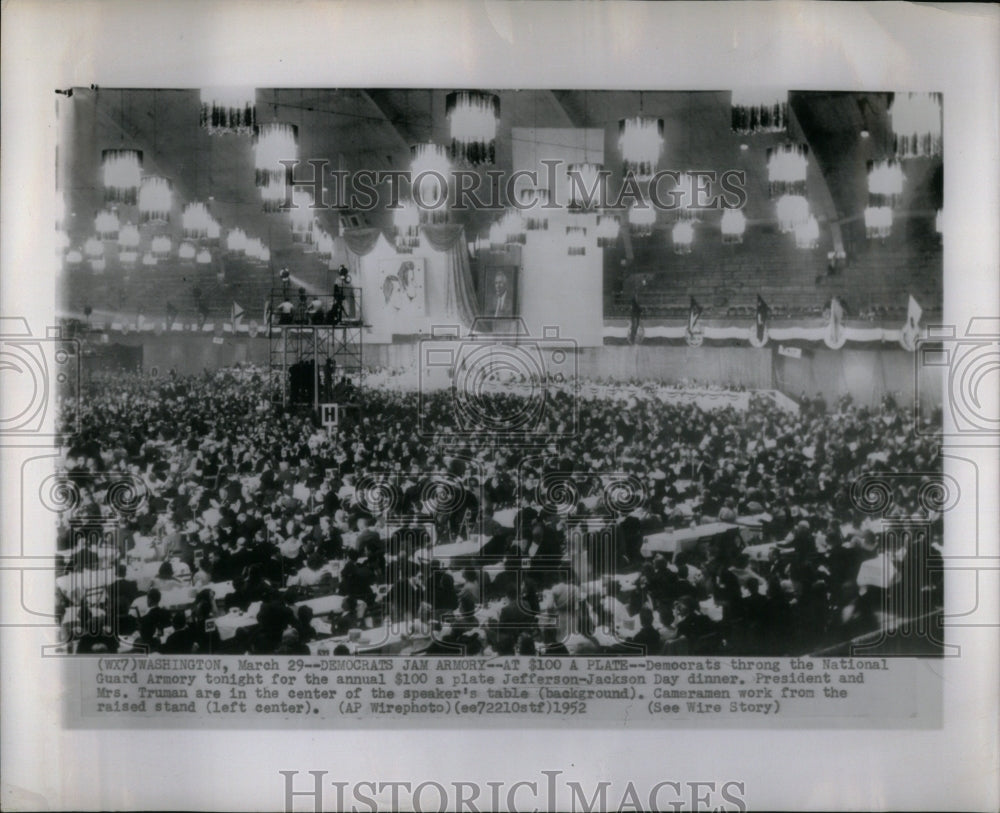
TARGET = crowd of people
x,y
242,529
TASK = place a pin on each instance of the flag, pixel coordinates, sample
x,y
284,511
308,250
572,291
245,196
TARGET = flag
x,y
913,313
237,316
694,314
761,317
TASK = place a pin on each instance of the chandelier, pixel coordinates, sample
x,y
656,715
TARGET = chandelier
x,y
273,195
148,259
324,245
186,251
195,221
228,110
214,230
684,196
203,257
641,218
759,111
406,222
160,246
683,236
121,171
878,222
885,183
576,241
535,204
156,198
128,258
608,226
807,234
793,210
916,124
254,248
236,241
74,257
429,172
585,179
106,225
513,226
473,117
93,248
786,169
734,224
128,237
303,216
275,142
640,140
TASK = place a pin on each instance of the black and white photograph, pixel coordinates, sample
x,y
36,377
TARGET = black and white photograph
x,y
500,406
691,441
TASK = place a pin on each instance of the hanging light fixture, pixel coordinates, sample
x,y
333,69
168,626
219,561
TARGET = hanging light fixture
x,y
885,183
734,224
406,222
106,225
641,218
160,246
497,238
513,226
807,234
535,203
429,172
640,140
236,241
229,110
93,248
608,227
878,222
156,199
195,220
916,124
148,259
684,196
186,251
275,142
683,236
121,171
214,231
759,111
324,245
128,237
273,195
128,258
203,257
253,248
303,216
576,241
787,168
74,257
793,210
585,178
473,117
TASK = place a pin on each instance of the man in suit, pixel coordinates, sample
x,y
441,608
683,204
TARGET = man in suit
x,y
503,297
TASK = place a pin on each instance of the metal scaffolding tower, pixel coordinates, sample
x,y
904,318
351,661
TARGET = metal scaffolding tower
x,y
316,348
